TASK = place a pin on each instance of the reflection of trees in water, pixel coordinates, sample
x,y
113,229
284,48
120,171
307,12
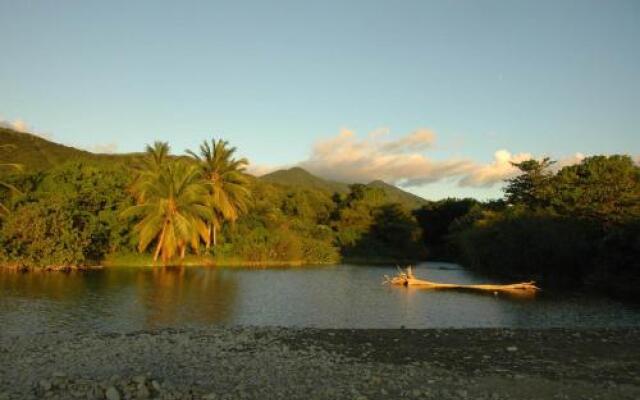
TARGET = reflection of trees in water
x,y
168,296
174,295
61,286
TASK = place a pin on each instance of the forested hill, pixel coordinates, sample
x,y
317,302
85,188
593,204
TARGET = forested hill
x,y
397,195
35,153
301,178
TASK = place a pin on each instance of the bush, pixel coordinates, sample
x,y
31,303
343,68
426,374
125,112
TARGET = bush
x,y
555,251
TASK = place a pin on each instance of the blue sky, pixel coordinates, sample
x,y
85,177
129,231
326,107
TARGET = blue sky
x,y
276,78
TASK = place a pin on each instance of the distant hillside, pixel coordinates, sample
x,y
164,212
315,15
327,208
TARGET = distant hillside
x,y
398,195
301,178
36,153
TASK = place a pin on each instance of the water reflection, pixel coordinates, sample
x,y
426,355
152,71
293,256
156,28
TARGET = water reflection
x,y
513,294
344,296
170,295
64,286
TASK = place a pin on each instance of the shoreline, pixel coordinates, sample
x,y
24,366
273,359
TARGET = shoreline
x,y
119,261
256,363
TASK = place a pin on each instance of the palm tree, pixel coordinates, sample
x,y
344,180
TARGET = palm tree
x,y
4,209
227,180
156,156
175,211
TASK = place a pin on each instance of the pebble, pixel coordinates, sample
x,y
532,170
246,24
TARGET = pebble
x,y
129,367
112,393
143,392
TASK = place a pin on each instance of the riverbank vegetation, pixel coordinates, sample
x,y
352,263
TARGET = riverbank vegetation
x,y
198,208
576,226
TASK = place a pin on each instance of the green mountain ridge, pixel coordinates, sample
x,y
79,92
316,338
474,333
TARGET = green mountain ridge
x,y
398,195
35,153
301,178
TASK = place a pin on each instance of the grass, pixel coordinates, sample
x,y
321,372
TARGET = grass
x,y
146,260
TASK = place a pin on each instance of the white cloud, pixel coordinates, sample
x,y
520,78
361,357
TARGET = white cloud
x,y
107,148
346,158
19,125
420,140
403,161
259,170
496,171
567,161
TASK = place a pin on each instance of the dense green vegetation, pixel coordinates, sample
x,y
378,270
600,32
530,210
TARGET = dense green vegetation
x,y
90,207
578,227
37,154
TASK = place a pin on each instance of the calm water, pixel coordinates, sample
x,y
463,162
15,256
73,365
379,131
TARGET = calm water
x,y
344,296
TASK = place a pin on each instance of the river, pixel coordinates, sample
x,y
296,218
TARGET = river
x,y
340,296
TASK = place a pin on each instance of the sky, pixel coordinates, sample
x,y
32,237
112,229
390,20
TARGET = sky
x,y
435,96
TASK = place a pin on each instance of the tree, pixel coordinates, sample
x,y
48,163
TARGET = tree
x,y
532,187
436,218
601,188
67,216
229,196
12,189
156,156
175,211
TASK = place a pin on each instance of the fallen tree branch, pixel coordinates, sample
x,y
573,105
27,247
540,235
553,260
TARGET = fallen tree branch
x,y
406,278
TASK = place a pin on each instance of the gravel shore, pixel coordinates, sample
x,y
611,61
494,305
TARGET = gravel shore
x,y
279,363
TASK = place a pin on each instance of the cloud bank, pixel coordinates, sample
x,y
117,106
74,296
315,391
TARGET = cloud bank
x,y
404,161
346,158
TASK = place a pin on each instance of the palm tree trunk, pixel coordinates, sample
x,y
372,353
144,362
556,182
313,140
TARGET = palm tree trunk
x,y
160,240
208,244
183,249
215,240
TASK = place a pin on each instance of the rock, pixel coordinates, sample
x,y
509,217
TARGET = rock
x,y
512,349
210,396
143,392
45,385
112,393
155,385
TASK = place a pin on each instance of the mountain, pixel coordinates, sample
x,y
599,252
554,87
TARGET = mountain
x,y
35,153
301,178
397,195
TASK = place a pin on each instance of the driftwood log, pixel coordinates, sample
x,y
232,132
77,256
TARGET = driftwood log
x,y
406,278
